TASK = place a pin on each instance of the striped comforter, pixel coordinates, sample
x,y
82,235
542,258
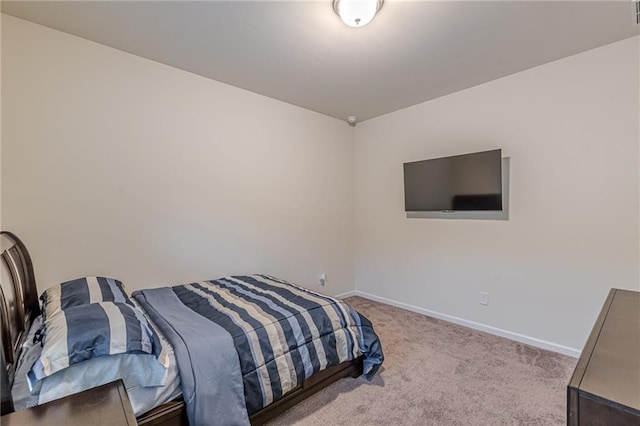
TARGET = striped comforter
x,y
282,333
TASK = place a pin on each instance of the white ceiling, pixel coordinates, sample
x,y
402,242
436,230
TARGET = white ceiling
x,y
301,53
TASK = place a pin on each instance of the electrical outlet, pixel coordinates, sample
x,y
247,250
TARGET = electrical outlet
x,y
322,279
484,298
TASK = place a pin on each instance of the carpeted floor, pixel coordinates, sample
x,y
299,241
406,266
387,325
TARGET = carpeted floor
x,y
437,373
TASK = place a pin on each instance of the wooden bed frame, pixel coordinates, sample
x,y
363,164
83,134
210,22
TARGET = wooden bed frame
x,y
19,306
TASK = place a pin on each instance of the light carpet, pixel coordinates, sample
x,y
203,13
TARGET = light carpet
x,y
438,373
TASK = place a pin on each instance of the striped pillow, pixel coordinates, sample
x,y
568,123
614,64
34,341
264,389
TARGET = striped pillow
x,y
84,332
82,291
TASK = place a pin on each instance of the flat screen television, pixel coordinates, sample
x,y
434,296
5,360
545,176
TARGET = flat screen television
x,y
468,182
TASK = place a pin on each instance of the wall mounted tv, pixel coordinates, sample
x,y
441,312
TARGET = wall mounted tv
x,y
468,182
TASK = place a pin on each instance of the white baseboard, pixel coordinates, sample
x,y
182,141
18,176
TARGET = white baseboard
x,y
565,350
346,294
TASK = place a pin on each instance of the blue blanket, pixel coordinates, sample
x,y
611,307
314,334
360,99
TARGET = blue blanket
x,y
277,333
207,360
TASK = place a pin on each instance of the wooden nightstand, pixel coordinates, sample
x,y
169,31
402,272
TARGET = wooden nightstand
x,y
106,405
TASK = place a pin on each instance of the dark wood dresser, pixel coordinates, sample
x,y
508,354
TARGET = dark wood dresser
x,y
605,386
106,405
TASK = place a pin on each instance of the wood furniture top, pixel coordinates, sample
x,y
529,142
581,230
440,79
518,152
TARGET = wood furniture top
x,y
107,405
605,385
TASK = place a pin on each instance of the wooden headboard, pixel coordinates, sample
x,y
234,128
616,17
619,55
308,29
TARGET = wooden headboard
x,y
18,307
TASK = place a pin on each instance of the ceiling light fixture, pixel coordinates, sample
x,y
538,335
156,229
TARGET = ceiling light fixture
x,y
357,13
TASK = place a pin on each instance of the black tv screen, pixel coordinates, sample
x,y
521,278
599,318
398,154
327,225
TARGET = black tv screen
x,y
468,182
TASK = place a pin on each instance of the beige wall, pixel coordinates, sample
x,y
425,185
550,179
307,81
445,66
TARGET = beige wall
x,y
571,130
117,165
1,228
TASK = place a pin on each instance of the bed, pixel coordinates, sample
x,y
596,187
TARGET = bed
x,y
294,361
